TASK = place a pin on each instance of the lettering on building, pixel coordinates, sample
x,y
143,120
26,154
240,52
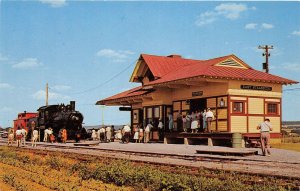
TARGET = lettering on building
x,y
260,88
199,93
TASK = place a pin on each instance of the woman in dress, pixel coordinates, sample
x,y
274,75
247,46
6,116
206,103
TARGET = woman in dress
x,y
141,134
136,133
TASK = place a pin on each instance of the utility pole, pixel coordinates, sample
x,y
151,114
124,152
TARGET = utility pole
x,y
47,94
266,54
102,108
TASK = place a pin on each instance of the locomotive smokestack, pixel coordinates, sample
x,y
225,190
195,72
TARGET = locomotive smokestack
x,y
72,103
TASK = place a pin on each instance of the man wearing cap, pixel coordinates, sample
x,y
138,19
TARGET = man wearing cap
x,y
265,128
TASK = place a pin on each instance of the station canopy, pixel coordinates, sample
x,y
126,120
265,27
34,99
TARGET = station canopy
x,y
164,71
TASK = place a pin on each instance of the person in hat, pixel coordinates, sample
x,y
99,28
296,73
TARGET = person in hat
x,y
265,128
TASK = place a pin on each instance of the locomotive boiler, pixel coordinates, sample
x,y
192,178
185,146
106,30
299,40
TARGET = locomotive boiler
x,y
58,117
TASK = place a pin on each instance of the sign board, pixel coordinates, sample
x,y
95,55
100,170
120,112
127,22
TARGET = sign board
x,y
260,88
199,93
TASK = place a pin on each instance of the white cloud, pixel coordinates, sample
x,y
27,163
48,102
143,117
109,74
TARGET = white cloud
x,y
5,86
259,27
296,33
267,26
250,26
115,55
28,63
206,18
41,95
54,3
230,11
61,87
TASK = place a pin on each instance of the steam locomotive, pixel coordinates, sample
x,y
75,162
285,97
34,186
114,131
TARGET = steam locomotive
x,y
58,117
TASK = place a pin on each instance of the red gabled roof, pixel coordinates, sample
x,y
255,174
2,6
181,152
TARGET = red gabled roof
x,y
162,65
129,93
207,68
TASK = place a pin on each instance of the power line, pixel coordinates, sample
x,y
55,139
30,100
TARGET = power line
x,y
291,89
98,86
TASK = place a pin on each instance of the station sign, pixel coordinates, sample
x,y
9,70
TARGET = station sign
x,y
198,93
260,88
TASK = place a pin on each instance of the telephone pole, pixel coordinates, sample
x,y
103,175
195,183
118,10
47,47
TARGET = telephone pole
x,y
47,94
266,54
102,116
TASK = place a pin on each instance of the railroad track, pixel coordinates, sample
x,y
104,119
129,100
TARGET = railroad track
x,y
209,162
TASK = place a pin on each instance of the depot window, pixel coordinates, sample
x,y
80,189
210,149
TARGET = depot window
x,y
238,107
272,108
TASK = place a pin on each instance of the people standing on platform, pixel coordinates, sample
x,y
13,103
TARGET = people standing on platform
x,y
102,134
147,132
113,132
59,137
209,118
184,124
51,136
11,137
24,135
108,134
179,121
136,133
47,134
171,122
118,135
204,120
18,136
200,118
193,116
64,135
188,121
141,134
222,102
194,125
34,138
98,134
160,129
94,135
265,128
127,132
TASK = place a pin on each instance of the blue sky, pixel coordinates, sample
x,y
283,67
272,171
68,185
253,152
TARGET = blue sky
x,y
80,47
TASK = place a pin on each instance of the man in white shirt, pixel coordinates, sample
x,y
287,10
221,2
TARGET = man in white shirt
x,y
24,134
108,133
209,117
265,128
127,132
160,129
102,134
19,136
147,132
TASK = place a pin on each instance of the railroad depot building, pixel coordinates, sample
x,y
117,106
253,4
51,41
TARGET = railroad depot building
x,y
239,96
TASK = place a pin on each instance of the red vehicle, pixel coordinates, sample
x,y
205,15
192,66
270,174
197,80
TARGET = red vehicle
x,y
23,119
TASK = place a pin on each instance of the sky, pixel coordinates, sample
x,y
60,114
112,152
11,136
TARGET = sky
x,y
86,51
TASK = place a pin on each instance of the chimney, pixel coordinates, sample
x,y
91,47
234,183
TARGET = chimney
x,y
72,103
174,56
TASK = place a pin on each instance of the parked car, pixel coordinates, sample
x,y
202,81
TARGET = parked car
x,y
4,134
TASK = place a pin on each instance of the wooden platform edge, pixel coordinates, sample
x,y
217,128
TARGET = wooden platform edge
x,y
228,153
